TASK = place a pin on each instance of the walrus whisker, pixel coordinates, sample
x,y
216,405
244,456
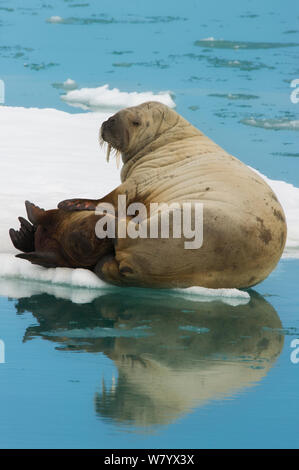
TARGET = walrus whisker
x,y
117,154
110,148
108,152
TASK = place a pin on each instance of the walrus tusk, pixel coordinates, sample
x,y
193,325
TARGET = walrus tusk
x,y
108,152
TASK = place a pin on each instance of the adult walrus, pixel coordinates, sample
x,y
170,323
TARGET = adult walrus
x,y
167,160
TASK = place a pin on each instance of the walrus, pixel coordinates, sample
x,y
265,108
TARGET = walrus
x,y
167,160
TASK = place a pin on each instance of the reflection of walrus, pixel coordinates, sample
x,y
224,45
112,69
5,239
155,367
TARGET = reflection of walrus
x,y
172,353
167,160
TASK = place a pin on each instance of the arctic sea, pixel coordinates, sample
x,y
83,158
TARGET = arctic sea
x,y
91,367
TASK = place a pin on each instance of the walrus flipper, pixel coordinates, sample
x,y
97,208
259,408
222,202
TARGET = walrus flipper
x,y
34,212
71,205
45,259
23,239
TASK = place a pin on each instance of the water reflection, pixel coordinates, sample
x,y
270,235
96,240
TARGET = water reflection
x,y
172,353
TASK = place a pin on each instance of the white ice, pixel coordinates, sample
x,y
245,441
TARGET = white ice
x,y
69,84
104,98
55,19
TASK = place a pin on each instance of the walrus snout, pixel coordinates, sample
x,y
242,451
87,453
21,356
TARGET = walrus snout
x,y
112,133
108,126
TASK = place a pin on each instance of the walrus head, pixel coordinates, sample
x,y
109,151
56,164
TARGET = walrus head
x,y
132,129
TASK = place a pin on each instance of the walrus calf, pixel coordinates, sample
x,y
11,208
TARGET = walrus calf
x,y
167,160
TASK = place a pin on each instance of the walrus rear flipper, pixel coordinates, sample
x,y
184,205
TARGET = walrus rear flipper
x,y
34,212
23,239
45,259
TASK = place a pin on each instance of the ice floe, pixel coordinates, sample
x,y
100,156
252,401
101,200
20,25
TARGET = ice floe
x,y
273,124
104,98
49,155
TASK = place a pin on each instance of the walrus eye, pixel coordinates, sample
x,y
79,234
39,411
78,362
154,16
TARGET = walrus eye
x,y
136,123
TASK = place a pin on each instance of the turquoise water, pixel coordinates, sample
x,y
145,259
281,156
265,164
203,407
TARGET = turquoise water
x,y
141,369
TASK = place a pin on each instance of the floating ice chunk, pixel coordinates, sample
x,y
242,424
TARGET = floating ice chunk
x,y
231,297
273,124
70,84
103,98
211,38
227,44
55,19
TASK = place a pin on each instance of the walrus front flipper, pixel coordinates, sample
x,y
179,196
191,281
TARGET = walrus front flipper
x,y
45,259
23,239
71,205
